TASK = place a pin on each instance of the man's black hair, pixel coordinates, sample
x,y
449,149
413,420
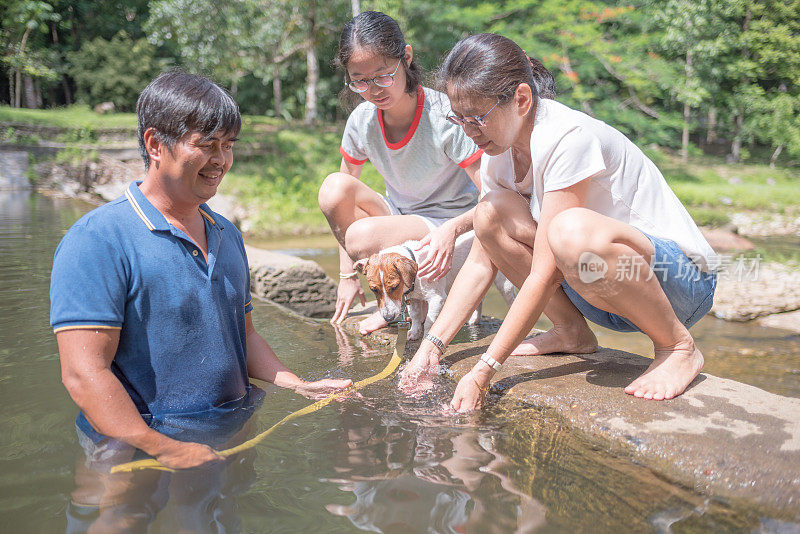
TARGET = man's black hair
x,y
176,103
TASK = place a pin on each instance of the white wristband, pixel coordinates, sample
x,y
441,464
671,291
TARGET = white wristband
x,y
491,362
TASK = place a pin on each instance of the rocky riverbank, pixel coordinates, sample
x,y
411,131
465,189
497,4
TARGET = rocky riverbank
x,y
721,437
747,294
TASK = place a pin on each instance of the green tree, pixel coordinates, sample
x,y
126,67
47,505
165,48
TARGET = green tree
x,y
22,21
114,70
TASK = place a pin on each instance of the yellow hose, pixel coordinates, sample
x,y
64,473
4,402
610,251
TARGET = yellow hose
x,y
152,463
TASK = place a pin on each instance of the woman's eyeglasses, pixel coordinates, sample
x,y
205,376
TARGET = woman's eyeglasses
x,y
384,80
472,120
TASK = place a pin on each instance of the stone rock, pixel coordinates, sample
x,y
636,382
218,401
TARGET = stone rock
x,y
722,239
104,107
785,321
231,209
721,437
105,178
300,285
767,224
759,289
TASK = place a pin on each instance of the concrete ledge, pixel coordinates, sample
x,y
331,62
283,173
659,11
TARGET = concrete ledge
x,y
721,437
13,171
298,284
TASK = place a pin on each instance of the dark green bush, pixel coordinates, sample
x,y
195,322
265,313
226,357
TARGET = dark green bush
x,y
113,71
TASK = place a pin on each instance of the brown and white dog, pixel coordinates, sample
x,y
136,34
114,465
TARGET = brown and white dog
x,y
392,276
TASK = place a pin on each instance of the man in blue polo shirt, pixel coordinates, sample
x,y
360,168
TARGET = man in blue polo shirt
x,y
150,293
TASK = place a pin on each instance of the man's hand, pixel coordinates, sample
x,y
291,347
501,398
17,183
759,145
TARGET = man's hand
x,y
442,242
322,388
185,455
348,290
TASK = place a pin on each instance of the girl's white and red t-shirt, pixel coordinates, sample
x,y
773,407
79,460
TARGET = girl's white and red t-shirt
x,y
423,172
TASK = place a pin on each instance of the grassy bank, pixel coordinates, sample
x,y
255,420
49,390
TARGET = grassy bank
x,y
279,167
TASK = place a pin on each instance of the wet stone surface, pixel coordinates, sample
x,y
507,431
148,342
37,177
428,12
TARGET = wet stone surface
x,y
720,437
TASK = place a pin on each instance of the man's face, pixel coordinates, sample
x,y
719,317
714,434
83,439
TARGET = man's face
x,y
196,165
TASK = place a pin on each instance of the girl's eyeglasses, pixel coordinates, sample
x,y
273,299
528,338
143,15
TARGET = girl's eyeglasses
x,y
384,80
472,120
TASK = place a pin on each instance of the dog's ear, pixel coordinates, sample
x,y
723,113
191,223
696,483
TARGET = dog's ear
x,y
408,271
361,265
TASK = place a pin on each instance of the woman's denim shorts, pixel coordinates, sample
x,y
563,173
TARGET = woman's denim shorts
x,y
690,291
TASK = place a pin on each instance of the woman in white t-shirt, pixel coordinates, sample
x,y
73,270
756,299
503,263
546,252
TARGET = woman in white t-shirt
x,y
578,218
429,165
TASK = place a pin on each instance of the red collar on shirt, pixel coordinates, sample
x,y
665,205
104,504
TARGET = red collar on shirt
x,y
417,116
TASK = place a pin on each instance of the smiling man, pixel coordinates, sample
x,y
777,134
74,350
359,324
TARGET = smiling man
x,y
150,294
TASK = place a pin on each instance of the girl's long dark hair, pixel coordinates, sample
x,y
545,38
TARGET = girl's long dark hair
x,y
380,34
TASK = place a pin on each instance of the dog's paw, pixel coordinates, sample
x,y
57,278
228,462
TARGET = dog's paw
x,y
414,334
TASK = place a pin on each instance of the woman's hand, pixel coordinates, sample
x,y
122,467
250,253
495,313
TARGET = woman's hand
x,y
442,242
348,290
470,391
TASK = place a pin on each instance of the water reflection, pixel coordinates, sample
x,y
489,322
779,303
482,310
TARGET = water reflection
x,y
415,478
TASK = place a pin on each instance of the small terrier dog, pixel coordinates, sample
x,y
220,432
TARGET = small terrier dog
x,y
392,276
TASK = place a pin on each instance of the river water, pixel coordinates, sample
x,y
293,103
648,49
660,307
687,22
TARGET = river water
x,y
378,461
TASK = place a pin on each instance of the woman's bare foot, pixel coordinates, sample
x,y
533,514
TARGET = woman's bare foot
x,y
578,339
371,323
673,369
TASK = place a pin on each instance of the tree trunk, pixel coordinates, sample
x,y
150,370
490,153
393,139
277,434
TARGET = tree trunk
x,y
311,83
711,133
64,82
30,92
277,97
11,91
687,111
38,102
67,90
312,64
18,82
17,88
774,157
736,145
356,5
235,86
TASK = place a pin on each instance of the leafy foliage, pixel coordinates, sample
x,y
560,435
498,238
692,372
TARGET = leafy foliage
x,y
115,70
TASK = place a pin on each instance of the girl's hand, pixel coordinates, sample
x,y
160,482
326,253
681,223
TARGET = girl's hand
x,y
416,375
348,290
442,242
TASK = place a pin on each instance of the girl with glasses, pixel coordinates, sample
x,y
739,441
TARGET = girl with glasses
x,y
578,218
429,165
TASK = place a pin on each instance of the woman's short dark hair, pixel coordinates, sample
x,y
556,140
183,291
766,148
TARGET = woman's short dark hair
x,y
492,66
379,33
176,103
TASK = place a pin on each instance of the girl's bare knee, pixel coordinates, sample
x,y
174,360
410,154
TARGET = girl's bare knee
x,y
335,189
359,237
